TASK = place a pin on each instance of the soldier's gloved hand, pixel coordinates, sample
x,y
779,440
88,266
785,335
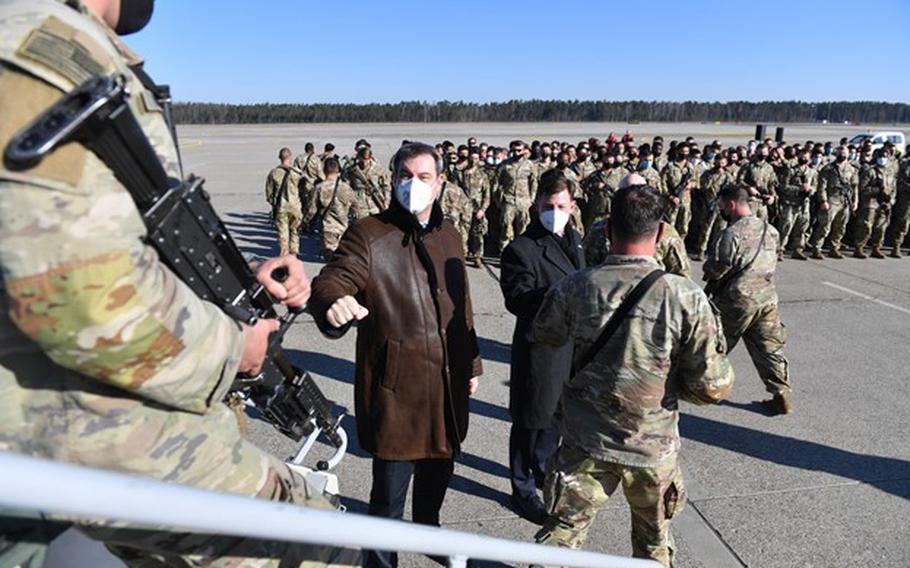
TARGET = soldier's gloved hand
x,y
294,291
255,344
345,310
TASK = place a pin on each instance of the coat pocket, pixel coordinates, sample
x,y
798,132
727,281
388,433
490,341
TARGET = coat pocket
x,y
390,373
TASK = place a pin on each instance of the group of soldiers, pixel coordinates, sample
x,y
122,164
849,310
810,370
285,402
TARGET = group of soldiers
x,y
818,195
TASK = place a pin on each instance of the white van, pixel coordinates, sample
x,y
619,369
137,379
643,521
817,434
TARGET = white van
x,y
879,139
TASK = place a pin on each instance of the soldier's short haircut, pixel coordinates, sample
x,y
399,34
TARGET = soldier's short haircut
x,y
551,183
412,150
331,166
637,211
733,192
284,154
308,147
329,147
364,152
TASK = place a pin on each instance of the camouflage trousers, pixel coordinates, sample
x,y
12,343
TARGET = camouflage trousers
x,y
476,234
709,228
681,217
830,224
792,224
50,412
578,486
287,223
577,221
871,225
900,220
516,217
765,336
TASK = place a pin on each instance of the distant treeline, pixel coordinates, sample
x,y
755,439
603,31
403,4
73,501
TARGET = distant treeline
x,y
545,111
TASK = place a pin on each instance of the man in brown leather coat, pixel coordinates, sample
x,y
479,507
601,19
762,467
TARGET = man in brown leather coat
x,y
401,275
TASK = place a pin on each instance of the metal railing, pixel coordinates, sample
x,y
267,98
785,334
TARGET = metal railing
x,y
33,484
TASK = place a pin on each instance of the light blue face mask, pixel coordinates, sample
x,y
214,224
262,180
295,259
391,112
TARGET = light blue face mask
x,y
645,164
881,161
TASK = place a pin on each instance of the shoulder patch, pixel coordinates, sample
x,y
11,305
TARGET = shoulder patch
x,y
22,98
65,50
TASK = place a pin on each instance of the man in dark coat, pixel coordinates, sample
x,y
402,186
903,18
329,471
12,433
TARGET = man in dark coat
x,y
401,275
546,252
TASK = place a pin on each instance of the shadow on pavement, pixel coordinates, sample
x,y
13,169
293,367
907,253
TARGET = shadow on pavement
x,y
490,410
756,406
329,366
877,471
483,464
493,350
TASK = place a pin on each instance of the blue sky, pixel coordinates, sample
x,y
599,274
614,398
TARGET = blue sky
x,y
241,51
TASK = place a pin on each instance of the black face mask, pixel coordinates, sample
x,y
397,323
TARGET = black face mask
x,y
761,157
134,15
841,158
803,162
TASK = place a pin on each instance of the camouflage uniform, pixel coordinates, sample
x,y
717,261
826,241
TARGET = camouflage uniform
x,y
877,189
311,167
371,187
794,212
477,185
599,188
670,251
456,207
837,186
584,168
337,204
281,190
900,221
748,300
762,177
516,185
710,224
652,178
581,203
620,411
672,176
106,358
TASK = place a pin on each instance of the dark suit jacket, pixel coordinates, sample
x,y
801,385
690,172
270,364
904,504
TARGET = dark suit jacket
x,y
531,264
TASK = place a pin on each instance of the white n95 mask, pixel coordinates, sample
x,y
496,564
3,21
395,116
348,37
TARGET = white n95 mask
x,y
414,194
554,220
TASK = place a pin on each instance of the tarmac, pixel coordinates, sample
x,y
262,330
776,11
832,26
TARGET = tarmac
x,y
827,486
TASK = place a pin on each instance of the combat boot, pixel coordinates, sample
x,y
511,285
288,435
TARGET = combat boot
x,y
895,252
817,254
780,403
478,262
700,257
798,255
877,253
780,256
858,253
835,253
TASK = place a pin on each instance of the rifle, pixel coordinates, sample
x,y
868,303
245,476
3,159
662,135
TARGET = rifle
x,y
680,189
192,241
371,188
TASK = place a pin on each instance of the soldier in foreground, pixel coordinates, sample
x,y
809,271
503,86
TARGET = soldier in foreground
x,y
636,442
740,276
283,194
126,368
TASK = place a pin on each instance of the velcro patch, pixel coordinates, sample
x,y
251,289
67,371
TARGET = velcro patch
x,y
22,98
65,50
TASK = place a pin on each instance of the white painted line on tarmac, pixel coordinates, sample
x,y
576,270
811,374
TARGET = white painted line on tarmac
x,y
867,297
